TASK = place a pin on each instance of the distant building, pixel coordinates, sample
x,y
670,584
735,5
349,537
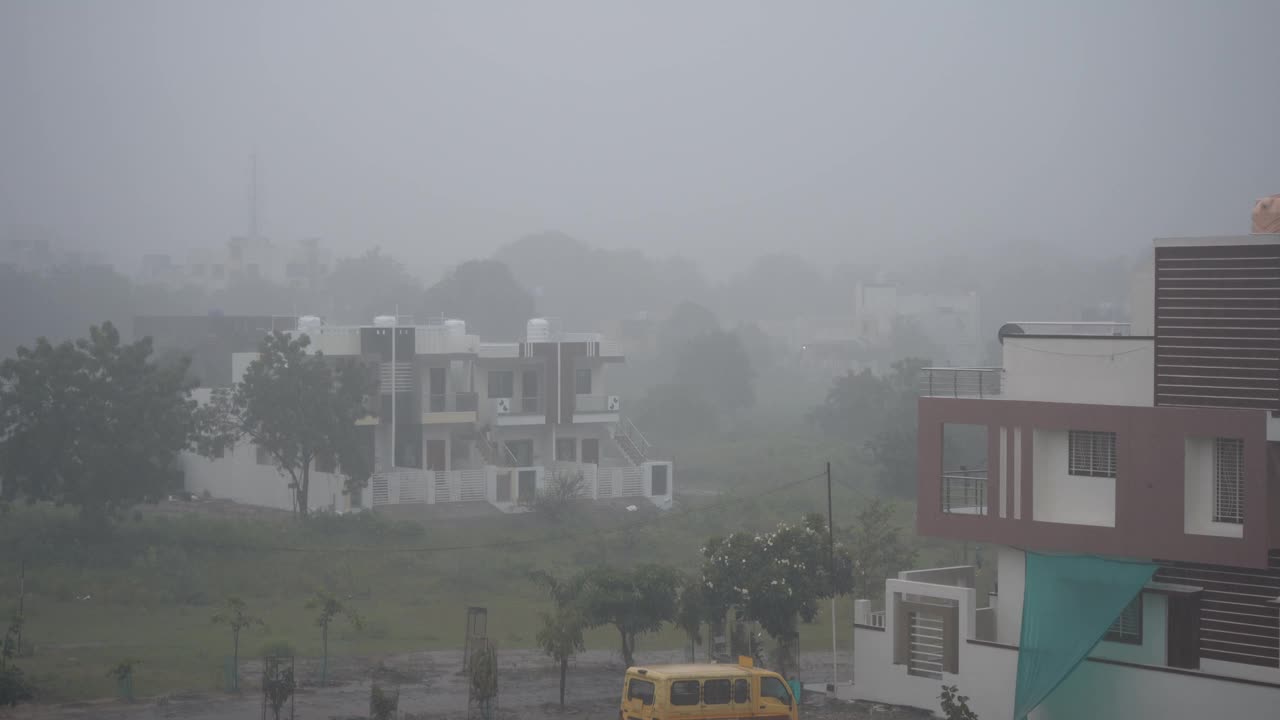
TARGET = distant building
x,y
460,420
209,340
302,265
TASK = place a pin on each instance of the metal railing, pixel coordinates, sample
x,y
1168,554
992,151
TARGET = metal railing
x,y
452,402
1083,327
596,403
980,382
965,492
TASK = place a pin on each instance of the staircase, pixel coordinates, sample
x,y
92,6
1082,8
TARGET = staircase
x,y
631,442
494,453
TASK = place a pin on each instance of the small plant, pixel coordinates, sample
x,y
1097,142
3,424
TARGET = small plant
x,y
122,673
278,685
234,615
556,500
14,686
484,679
954,705
382,704
329,607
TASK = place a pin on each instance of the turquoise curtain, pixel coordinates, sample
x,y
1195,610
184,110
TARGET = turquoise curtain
x,y
1068,604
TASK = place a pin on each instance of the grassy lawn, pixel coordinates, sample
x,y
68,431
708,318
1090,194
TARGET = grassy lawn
x,y
147,589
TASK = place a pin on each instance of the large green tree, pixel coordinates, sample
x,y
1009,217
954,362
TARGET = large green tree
x,y
716,366
634,601
877,546
299,407
96,424
370,284
775,578
486,295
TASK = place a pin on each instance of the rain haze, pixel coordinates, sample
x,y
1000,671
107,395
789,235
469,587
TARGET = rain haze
x,y
544,360
717,130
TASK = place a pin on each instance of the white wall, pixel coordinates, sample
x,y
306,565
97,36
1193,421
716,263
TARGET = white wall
x,y
1059,497
1198,489
1011,575
237,476
1098,370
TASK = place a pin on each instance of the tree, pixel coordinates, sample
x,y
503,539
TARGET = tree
x,y
687,321
954,705
677,416
633,602
96,424
560,635
234,614
691,611
877,546
368,285
329,608
486,295
297,407
14,686
716,365
775,578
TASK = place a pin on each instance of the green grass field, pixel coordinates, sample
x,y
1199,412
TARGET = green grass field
x,y
147,590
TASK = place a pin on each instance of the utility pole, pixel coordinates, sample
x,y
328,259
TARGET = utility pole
x,y
22,596
831,556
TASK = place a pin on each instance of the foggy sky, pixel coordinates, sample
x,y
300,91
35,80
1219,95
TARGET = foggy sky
x,y
718,130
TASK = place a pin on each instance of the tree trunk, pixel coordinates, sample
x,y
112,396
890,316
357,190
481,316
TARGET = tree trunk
x,y
324,643
235,660
627,658
564,670
304,488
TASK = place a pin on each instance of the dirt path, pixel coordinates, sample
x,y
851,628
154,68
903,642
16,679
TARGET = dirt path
x,y
432,689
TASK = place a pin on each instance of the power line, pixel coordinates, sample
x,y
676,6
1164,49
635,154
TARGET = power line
x,y
531,541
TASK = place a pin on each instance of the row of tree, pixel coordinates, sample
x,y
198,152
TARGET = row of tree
x,y
775,579
98,424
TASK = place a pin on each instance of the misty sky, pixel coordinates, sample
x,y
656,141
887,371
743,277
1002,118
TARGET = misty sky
x,y
718,130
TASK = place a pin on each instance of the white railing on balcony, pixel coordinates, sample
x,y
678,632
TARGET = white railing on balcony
x,y
450,402
437,340
1084,327
961,382
964,492
597,403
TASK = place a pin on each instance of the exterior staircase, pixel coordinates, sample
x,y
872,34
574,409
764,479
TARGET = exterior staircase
x,y
493,452
631,442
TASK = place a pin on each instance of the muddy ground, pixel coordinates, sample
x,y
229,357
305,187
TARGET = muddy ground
x,y
431,688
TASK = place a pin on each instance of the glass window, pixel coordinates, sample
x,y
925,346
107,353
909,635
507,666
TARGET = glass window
x,y
566,449
716,692
501,383
774,688
641,690
684,692
1228,480
582,381
1091,454
741,691
1128,627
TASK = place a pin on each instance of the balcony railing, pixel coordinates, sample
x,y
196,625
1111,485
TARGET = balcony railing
x,y
1083,328
964,492
961,382
452,402
597,403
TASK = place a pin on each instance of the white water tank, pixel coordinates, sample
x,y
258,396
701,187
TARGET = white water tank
x,y
385,321
455,328
538,330
308,324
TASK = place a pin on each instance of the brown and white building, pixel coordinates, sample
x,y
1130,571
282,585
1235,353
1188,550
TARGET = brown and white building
x,y
1156,440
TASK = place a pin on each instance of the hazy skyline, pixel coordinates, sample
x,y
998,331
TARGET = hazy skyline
x,y
715,130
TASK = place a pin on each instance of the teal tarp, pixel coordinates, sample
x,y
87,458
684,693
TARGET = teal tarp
x,y
1068,603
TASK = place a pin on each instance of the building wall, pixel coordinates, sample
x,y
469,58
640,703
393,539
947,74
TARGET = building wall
x,y
1011,576
238,476
1060,497
1101,370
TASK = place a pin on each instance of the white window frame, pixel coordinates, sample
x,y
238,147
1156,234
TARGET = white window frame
x,y
1091,453
1127,627
1228,481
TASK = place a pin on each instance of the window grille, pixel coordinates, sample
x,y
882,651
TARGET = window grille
x,y
1228,480
1091,454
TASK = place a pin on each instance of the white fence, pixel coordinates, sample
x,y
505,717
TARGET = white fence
x,y
599,482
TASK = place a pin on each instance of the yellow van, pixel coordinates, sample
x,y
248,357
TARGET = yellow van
x,y
706,692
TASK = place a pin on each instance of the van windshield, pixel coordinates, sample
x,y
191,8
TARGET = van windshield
x,y
641,690
775,689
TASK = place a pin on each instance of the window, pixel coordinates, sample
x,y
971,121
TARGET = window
x,y
741,691
1228,481
1128,627
716,692
566,449
684,692
641,690
261,455
774,688
582,381
501,384
1091,454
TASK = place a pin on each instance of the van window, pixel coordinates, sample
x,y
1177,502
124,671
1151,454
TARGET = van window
x,y
716,692
774,688
684,692
742,691
641,690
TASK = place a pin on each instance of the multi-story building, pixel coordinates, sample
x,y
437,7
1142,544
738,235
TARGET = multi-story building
x,y
302,265
457,419
1100,453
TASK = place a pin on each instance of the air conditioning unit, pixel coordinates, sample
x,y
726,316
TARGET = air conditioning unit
x,y
502,406
614,403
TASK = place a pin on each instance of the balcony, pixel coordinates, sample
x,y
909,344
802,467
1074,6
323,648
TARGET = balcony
x,y
964,492
444,408
509,412
960,382
596,408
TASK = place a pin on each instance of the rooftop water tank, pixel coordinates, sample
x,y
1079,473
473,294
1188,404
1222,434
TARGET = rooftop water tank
x,y
385,321
309,323
538,330
455,328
